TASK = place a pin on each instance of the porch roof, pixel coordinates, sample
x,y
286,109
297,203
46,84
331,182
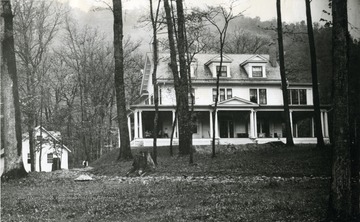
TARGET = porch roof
x,y
234,103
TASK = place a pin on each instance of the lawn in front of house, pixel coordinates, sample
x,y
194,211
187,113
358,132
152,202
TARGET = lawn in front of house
x,y
265,184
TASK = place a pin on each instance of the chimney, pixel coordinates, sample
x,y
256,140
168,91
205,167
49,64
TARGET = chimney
x,y
273,54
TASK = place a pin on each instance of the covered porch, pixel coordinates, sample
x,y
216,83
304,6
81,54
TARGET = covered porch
x,y
233,125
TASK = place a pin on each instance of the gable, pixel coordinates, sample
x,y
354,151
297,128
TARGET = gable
x,y
47,136
238,102
255,59
217,58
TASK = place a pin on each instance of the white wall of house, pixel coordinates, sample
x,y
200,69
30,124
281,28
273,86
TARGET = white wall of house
x,y
45,166
167,95
204,94
150,87
274,95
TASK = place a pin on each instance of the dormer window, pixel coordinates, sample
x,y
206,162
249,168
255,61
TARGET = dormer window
x,y
257,71
222,70
255,66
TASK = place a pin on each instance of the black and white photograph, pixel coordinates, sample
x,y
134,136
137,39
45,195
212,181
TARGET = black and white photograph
x,y
180,110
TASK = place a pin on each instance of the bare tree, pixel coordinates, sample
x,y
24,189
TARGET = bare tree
x,y
212,14
354,120
155,27
340,208
35,25
125,151
289,137
86,54
314,75
10,107
177,44
241,41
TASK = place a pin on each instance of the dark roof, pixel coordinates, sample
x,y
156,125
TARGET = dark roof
x,y
237,71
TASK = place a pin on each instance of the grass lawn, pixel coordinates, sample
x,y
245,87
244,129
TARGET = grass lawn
x,y
260,184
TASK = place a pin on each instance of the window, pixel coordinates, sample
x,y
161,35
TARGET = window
x,y
189,96
223,71
294,96
50,158
228,93
253,95
297,96
262,96
224,94
302,95
28,158
257,71
258,93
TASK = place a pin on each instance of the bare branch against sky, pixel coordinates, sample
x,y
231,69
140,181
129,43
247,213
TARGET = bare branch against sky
x,y
293,11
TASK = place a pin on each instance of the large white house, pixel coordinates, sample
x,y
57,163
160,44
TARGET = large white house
x,y
250,108
52,151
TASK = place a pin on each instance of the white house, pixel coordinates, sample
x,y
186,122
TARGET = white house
x,y
51,153
250,107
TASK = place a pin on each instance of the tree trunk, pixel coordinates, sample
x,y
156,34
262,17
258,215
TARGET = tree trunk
x,y
125,150
340,193
30,127
184,115
354,101
289,138
10,95
222,43
154,23
314,77
180,84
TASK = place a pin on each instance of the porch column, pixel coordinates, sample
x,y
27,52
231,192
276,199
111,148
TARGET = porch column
x,y
291,123
216,125
312,127
140,125
136,125
322,122
173,119
129,127
211,124
326,126
255,125
252,124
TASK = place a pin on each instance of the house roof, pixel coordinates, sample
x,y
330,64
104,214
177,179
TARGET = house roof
x,y
201,61
55,135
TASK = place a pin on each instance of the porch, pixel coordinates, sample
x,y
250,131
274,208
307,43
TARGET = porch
x,y
248,125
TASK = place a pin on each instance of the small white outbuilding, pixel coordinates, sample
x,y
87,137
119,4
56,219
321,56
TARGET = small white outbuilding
x,y
48,150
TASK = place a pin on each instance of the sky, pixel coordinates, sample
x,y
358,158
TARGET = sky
x,y
292,10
